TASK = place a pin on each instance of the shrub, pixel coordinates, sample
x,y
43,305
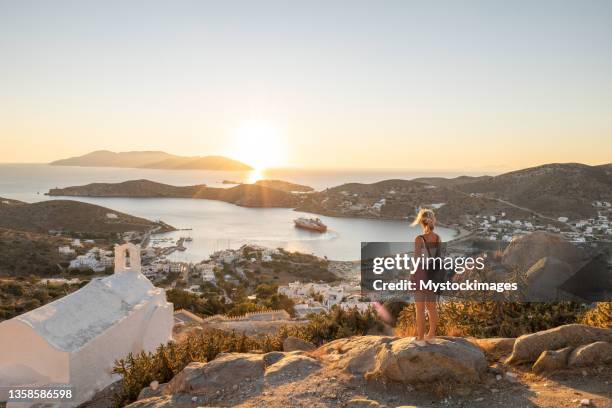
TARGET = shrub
x,y
494,319
599,316
137,371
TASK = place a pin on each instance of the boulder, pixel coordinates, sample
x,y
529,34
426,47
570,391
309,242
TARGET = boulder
x,y
525,251
545,279
295,344
550,361
528,347
291,368
149,392
356,354
442,358
599,352
360,402
168,401
226,372
495,347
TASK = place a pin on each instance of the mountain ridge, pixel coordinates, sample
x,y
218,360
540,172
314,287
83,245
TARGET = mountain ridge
x,y
152,159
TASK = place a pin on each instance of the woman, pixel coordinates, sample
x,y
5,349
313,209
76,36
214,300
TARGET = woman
x,y
426,244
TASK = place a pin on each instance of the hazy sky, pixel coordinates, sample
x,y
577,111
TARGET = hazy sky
x,y
449,85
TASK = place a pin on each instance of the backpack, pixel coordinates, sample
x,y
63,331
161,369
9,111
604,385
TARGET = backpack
x,y
437,274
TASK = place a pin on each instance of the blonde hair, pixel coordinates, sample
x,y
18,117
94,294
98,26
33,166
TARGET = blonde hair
x,y
426,218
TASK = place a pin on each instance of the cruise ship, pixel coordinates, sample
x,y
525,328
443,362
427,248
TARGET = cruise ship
x,y
313,224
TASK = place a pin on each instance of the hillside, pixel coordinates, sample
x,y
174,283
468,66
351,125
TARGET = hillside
x,y
284,186
401,199
152,160
29,253
248,195
71,216
556,189
450,182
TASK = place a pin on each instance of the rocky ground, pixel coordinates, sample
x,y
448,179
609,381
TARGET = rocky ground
x,y
568,366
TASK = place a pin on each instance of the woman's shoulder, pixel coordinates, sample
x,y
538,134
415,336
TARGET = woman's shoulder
x,y
430,237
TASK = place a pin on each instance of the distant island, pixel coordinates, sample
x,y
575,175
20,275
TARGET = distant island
x,y
246,195
277,185
152,160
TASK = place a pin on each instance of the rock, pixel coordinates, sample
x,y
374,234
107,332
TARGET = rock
x,y
495,346
273,357
511,377
356,355
104,398
222,373
496,369
154,385
291,368
363,403
585,402
294,344
167,401
525,251
550,361
528,348
545,278
442,358
149,392
599,352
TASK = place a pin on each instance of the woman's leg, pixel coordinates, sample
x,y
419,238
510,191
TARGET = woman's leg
x,y
432,311
420,319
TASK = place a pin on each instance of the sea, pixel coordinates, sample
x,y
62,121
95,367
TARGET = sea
x,y
215,225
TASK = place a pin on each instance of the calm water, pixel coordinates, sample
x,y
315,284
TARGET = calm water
x,y
218,225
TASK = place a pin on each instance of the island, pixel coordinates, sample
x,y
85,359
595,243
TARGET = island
x,y
152,160
246,195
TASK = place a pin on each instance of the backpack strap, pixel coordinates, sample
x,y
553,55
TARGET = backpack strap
x,y
426,246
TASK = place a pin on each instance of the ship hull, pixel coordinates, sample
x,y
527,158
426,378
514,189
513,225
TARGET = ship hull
x,y
315,228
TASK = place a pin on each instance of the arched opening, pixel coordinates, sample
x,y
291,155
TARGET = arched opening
x,y
128,262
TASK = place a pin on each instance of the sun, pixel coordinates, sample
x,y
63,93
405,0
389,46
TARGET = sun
x,y
258,144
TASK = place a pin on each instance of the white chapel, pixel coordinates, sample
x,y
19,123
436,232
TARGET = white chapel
x,y
76,339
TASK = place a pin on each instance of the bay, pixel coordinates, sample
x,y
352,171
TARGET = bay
x,y
215,225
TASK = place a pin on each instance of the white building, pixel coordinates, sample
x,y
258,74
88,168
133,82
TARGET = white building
x,y
306,292
89,261
66,250
207,271
226,256
379,204
76,339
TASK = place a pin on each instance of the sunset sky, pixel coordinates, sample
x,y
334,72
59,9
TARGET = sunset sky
x,y
351,84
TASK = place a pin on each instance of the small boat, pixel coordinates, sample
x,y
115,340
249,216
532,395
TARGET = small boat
x,y
312,224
